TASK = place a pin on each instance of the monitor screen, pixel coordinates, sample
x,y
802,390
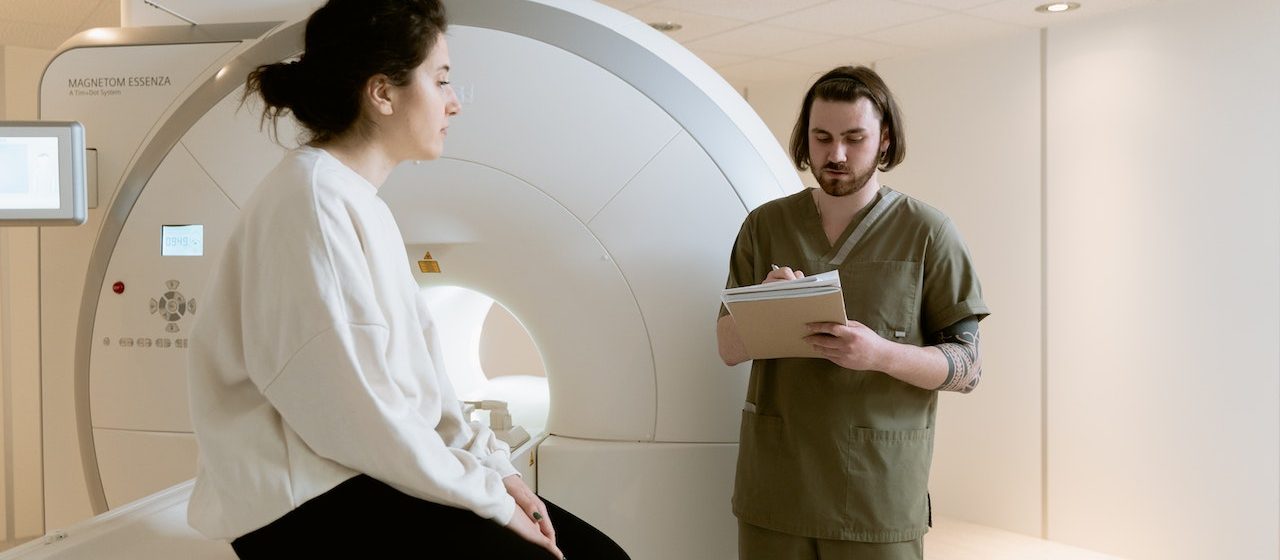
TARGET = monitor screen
x,y
42,173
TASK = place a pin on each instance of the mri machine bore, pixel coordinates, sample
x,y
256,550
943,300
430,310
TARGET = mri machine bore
x,y
592,186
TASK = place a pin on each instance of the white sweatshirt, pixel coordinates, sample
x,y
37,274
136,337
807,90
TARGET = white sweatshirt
x,y
314,359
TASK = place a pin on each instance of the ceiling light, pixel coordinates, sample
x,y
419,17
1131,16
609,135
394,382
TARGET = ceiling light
x,y
1057,7
666,26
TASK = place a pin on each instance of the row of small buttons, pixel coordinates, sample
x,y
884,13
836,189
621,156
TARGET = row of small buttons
x,y
130,342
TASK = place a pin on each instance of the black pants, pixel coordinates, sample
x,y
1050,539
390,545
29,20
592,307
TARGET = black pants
x,y
378,521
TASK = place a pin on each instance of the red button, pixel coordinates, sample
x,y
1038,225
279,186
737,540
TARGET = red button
x,y
118,287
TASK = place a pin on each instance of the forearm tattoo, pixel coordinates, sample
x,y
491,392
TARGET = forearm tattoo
x,y
959,344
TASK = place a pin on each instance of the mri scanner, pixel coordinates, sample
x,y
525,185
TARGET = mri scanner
x,y
592,186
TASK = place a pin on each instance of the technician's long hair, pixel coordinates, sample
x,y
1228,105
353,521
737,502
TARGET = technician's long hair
x,y
848,83
347,42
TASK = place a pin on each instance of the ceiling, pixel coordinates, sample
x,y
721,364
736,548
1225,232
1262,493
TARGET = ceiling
x,y
764,40
45,24
747,41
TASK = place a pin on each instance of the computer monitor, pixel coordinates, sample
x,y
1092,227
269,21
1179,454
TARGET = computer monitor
x,y
42,173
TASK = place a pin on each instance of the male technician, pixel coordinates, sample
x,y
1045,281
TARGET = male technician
x,y
835,452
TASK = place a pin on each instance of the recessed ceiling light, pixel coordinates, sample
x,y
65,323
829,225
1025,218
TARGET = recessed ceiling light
x,y
666,26
1057,7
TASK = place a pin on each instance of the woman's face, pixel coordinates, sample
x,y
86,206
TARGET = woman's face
x,y
425,105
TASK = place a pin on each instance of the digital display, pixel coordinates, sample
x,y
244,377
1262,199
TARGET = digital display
x,y
182,241
30,177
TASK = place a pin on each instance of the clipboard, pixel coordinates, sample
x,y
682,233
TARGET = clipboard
x,y
772,319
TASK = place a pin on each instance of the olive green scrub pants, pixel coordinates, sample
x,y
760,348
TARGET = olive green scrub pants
x,y
757,543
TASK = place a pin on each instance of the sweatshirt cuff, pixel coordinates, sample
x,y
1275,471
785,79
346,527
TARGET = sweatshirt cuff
x,y
500,461
505,511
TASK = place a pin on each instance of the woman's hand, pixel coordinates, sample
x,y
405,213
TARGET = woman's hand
x,y
534,513
523,526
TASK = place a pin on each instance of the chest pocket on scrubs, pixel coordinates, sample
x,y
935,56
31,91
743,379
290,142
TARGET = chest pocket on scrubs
x,y
882,296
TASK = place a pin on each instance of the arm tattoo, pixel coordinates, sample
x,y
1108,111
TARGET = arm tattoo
x,y
959,344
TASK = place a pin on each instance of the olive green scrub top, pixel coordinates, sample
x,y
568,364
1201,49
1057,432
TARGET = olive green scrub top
x,y
828,452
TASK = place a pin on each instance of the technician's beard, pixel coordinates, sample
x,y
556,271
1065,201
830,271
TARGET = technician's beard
x,y
851,184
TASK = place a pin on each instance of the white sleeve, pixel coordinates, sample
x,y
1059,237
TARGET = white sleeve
x,y
475,437
336,394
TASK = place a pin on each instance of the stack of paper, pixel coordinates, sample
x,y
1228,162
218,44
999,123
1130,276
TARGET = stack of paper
x,y
772,319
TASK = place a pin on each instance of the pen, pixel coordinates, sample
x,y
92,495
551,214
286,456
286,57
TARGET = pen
x,y
775,267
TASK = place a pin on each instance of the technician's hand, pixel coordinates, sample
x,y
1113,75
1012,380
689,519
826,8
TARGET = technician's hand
x,y
533,508
851,345
782,273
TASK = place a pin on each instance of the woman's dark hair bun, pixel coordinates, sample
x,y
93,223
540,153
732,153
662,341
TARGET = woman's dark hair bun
x,y
281,86
280,83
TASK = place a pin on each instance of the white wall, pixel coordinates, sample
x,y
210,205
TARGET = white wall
x,y
1123,214
4,85
1163,260
22,505
22,69
6,342
778,104
505,346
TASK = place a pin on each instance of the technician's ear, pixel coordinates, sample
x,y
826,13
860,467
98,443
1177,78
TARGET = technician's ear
x,y
377,91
